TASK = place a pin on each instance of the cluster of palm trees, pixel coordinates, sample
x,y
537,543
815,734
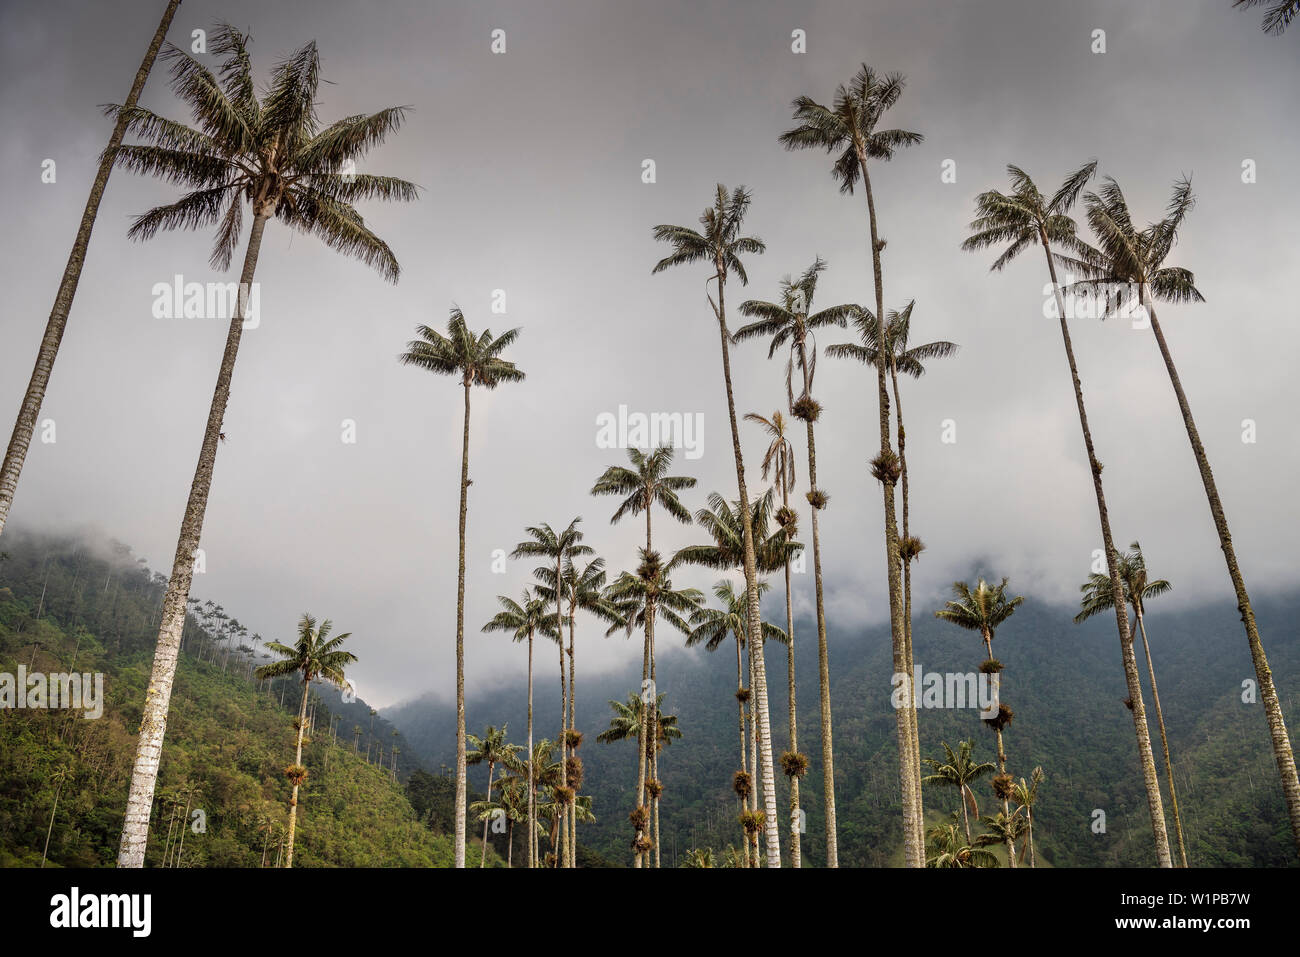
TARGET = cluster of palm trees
x,y
268,149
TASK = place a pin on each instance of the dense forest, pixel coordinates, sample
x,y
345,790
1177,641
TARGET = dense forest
x,y
76,604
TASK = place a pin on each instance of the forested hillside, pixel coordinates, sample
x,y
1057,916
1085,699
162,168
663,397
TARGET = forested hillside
x,y
78,604
1063,681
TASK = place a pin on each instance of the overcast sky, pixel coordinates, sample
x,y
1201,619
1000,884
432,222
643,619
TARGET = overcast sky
x,y
530,164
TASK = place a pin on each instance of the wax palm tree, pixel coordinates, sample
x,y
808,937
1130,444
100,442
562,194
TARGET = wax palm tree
x,y
637,597
627,725
791,321
778,462
848,128
1017,221
908,360
958,770
1277,16
722,521
1128,266
1138,587
1006,827
273,154
720,245
948,847
983,608
315,655
711,627
476,360
29,411
559,547
524,620
641,487
585,591
491,749
1026,795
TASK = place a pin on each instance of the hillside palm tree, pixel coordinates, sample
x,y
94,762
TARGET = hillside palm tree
x,y
476,360
720,246
644,485
948,847
315,655
1138,587
585,590
636,597
560,547
492,749
983,608
1026,795
848,128
524,620
1005,827
711,627
959,770
778,461
791,321
1128,265
1017,221
273,154
722,521
1277,16
34,397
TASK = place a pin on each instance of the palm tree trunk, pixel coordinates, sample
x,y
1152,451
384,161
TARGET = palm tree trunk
x,y
297,762
1154,803
1006,805
25,424
647,710
795,837
744,750
483,858
1029,817
1164,738
965,812
755,859
1282,753
573,719
759,691
461,774
153,722
561,810
912,714
532,818
913,826
55,810
823,653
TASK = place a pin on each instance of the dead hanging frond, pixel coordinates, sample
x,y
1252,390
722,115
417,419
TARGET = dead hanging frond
x,y
573,739
885,467
991,666
910,547
1003,784
806,408
742,695
654,788
742,784
564,796
573,770
1000,720
817,498
794,764
296,774
752,822
642,845
639,817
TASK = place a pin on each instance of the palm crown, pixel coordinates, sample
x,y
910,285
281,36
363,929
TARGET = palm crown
x,y
722,520
314,655
1098,595
476,359
645,484
269,150
898,327
712,626
720,243
982,608
848,126
1024,217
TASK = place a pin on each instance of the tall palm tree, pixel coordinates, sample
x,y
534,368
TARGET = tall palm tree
x,y
476,360
315,655
983,608
1128,264
711,627
778,461
792,321
908,360
849,128
959,770
1017,221
273,154
560,547
720,245
491,749
1026,795
585,591
1277,16
644,485
636,597
1138,587
29,411
524,620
